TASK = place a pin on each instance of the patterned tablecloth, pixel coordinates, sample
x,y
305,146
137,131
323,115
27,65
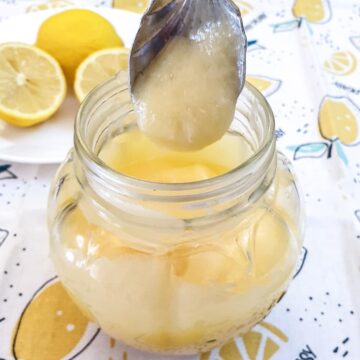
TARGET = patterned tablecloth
x,y
303,56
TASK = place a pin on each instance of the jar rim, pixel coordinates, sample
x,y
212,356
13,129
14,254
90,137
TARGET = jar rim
x,y
107,172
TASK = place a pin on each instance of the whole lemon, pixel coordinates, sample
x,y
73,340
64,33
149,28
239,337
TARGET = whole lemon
x,y
73,35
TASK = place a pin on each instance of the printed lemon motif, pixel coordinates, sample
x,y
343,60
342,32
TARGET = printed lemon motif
x,y
50,327
338,119
51,4
245,7
314,11
138,6
259,344
230,351
266,85
341,63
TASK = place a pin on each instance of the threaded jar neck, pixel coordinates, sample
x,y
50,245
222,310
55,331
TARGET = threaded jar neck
x,y
105,113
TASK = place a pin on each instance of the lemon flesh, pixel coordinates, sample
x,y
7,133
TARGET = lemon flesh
x,y
32,84
98,68
73,35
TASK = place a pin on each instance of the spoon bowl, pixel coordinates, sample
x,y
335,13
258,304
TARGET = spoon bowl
x,y
166,19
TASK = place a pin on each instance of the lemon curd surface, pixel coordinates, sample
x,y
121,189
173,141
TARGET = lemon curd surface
x,y
186,97
135,155
191,295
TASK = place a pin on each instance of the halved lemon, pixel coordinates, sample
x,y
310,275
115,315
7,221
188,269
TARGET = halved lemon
x,y
98,67
341,63
32,84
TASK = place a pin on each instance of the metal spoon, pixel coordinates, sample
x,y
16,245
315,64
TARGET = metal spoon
x,y
166,19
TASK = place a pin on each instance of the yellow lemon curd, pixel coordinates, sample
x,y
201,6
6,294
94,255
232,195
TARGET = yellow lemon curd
x,y
196,294
186,97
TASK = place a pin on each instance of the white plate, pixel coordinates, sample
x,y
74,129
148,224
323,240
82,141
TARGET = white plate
x,y
50,141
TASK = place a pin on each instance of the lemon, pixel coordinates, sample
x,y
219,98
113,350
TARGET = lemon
x,y
99,67
341,63
138,6
337,119
72,35
266,85
32,84
314,11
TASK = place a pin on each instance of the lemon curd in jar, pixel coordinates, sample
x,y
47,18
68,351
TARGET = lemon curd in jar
x,y
169,251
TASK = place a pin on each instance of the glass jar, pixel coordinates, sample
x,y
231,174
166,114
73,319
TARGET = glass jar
x,y
174,268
